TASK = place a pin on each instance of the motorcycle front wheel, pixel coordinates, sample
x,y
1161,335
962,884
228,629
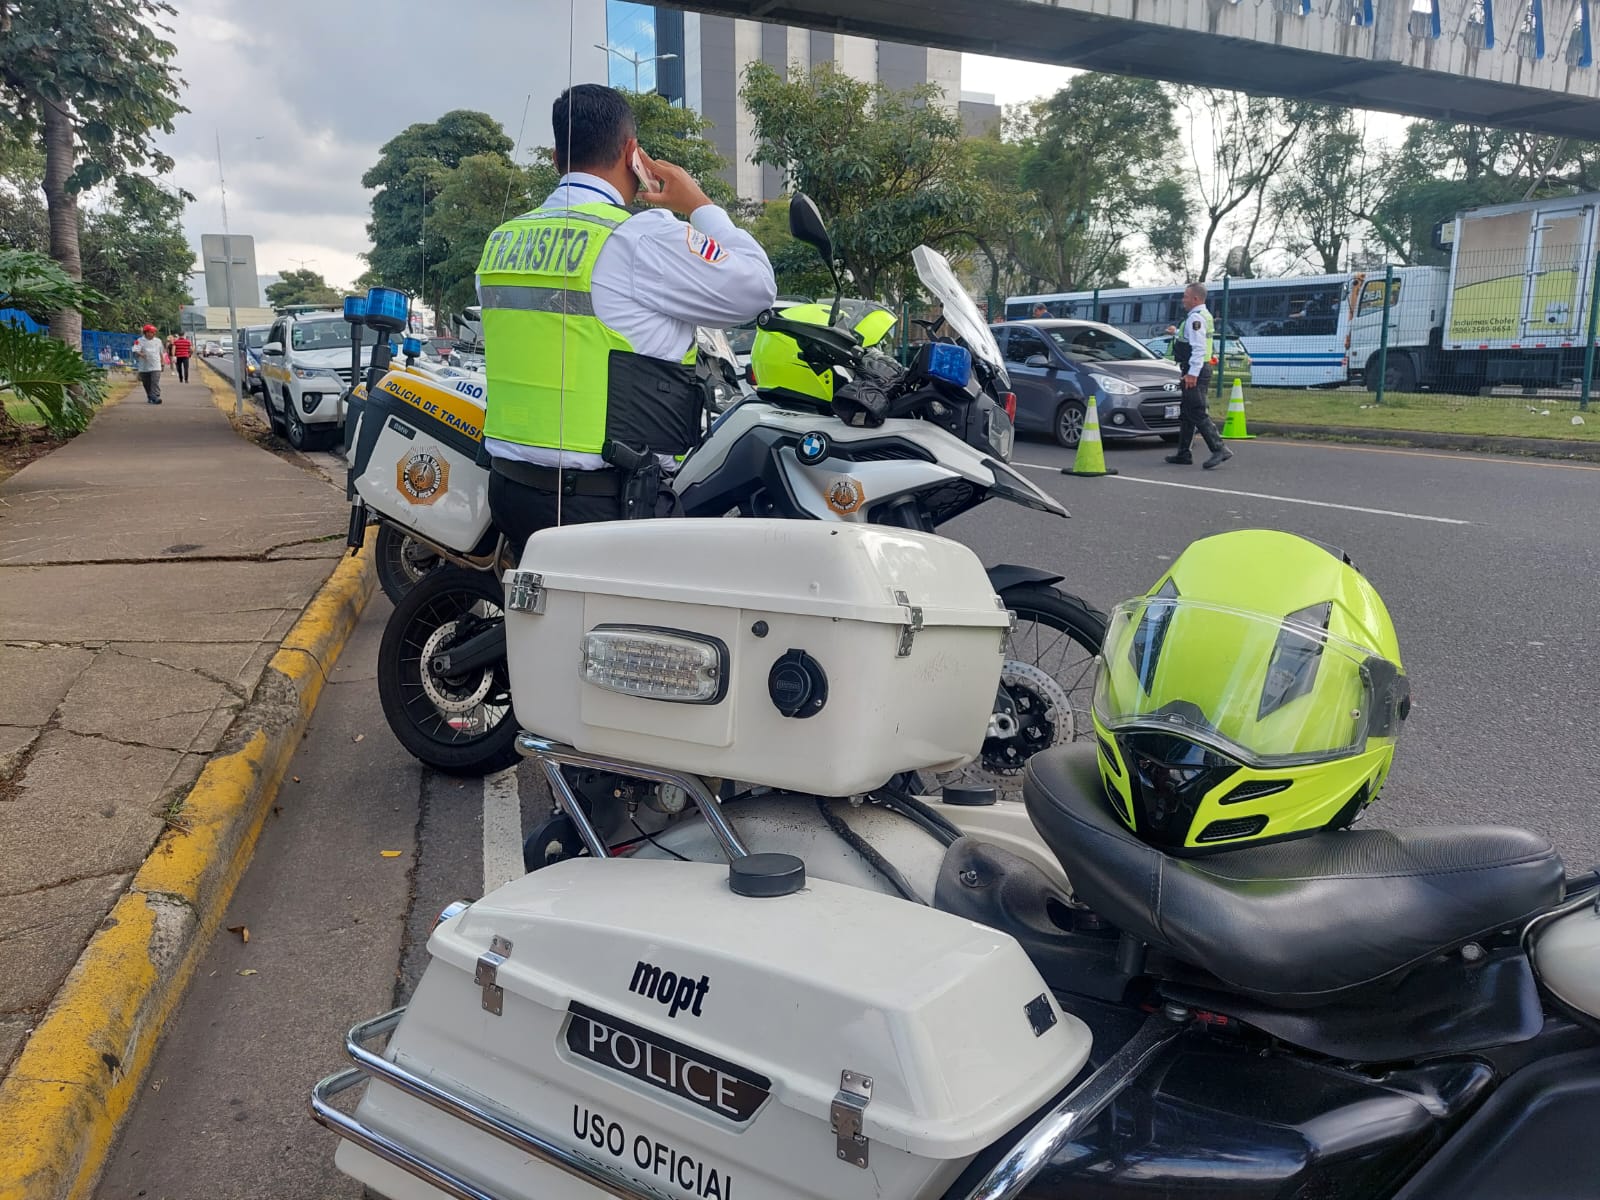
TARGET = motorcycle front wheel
x,y
459,724
402,561
1048,676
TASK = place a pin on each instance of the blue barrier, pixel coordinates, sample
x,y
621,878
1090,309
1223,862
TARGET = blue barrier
x,y
100,348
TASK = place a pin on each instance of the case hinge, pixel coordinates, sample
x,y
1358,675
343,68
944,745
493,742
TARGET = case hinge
x,y
486,976
845,1114
524,591
912,627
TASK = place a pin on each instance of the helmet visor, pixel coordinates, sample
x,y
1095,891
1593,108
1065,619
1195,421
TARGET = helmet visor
x,y
1265,691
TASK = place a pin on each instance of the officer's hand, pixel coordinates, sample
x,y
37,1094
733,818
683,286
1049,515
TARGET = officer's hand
x,y
1191,381
1171,329
679,191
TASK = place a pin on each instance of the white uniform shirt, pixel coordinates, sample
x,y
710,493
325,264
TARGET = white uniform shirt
x,y
1194,332
657,279
147,353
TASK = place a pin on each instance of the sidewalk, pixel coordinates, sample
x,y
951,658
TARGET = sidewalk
x,y
150,569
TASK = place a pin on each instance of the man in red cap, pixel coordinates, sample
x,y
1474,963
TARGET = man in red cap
x,y
147,358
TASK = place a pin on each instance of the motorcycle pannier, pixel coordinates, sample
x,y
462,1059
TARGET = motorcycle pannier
x,y
413,457
707,1046
804,655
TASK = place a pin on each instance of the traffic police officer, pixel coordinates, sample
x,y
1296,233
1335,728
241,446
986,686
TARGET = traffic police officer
x,y
589,314
1192,352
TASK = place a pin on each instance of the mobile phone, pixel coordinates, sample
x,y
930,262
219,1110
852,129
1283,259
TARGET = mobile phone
x,y
646,180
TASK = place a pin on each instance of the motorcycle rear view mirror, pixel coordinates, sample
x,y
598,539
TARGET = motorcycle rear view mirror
x,y
805,225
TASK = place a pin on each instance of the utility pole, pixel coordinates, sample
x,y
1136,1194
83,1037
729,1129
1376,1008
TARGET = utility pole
x,y
233,312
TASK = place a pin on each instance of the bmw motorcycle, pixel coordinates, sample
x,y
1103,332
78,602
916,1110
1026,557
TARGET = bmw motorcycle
x,y
733,1007
908,447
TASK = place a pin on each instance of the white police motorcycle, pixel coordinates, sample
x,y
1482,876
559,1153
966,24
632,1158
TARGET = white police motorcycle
x,y
931,442
918,1012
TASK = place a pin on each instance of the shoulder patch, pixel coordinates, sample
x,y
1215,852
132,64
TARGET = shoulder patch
x,y
704,246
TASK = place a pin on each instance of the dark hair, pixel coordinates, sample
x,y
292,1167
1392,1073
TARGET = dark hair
x,y
600,125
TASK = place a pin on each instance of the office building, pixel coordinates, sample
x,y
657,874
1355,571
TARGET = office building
x,y
709,56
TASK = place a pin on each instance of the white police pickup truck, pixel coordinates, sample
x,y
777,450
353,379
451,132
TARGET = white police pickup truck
x,y
305,366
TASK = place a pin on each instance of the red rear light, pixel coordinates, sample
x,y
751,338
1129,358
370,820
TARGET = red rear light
x,y
1010,402
750,374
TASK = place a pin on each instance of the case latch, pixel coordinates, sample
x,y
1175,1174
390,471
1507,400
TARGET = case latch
x,y
912,627
489,964
845,1114
524,591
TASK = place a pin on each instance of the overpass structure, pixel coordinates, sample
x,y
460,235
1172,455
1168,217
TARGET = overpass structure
x,y
1514,64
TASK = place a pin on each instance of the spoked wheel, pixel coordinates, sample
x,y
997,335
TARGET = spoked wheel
x,y
402,561
461,724
1048,680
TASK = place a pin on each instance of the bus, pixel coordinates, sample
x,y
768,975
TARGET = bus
x,y
1294,330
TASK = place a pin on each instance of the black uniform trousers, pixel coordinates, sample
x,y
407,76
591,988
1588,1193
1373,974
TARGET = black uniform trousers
x,y
1194,416
521,510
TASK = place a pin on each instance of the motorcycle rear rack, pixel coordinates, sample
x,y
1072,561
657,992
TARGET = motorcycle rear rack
x,y
552,756
1003,1181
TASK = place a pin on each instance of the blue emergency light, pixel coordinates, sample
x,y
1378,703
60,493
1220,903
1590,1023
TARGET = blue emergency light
x,y
387,309
355,309
411,347
951,363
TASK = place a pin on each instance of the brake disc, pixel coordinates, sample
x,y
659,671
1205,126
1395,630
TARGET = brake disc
x,y
1043,718
443,695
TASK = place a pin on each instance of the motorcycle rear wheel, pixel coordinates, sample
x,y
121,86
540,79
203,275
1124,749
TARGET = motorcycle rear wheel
x,y
1049,674
456,725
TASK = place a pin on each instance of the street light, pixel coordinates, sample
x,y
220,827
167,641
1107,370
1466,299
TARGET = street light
x,y
629,56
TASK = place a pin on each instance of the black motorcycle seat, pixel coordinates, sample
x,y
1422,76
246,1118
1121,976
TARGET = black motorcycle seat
x,y
1297,923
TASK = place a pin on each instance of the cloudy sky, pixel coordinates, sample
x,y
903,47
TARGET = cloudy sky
x,y
302,93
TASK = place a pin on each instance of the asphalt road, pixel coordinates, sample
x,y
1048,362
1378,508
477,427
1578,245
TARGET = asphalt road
x,y
1487,566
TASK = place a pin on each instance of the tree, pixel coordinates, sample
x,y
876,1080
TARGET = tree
x,y
679,136
473,200
37,368
800,271
89,84
409,175
137,256
1331,180
1089,185
301,287
1251,139
888,169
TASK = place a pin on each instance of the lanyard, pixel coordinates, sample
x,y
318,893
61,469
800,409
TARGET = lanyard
x,y
589,187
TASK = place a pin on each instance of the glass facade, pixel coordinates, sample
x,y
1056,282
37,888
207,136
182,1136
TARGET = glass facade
x,y
631,34
644,33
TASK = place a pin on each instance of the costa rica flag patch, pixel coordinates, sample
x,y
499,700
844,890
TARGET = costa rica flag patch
x,y
706,247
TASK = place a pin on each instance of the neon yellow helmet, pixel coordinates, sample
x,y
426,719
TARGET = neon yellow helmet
x,y
1255,694
775,363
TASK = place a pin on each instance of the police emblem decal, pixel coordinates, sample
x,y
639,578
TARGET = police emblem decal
x,y
845,495
422,477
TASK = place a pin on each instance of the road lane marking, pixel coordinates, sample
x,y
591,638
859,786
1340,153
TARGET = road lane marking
x,y
1196,487
502,829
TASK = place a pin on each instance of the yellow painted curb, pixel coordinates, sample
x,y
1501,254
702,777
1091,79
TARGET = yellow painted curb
x,y
77,1076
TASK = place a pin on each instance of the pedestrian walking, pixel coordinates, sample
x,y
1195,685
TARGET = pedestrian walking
x,y
147,360
181,348
1192,352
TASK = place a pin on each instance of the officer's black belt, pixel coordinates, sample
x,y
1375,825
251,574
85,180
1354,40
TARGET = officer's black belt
x,y
568,482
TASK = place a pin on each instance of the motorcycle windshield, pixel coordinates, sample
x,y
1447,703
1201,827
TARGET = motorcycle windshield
x,y
960,312
715,343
